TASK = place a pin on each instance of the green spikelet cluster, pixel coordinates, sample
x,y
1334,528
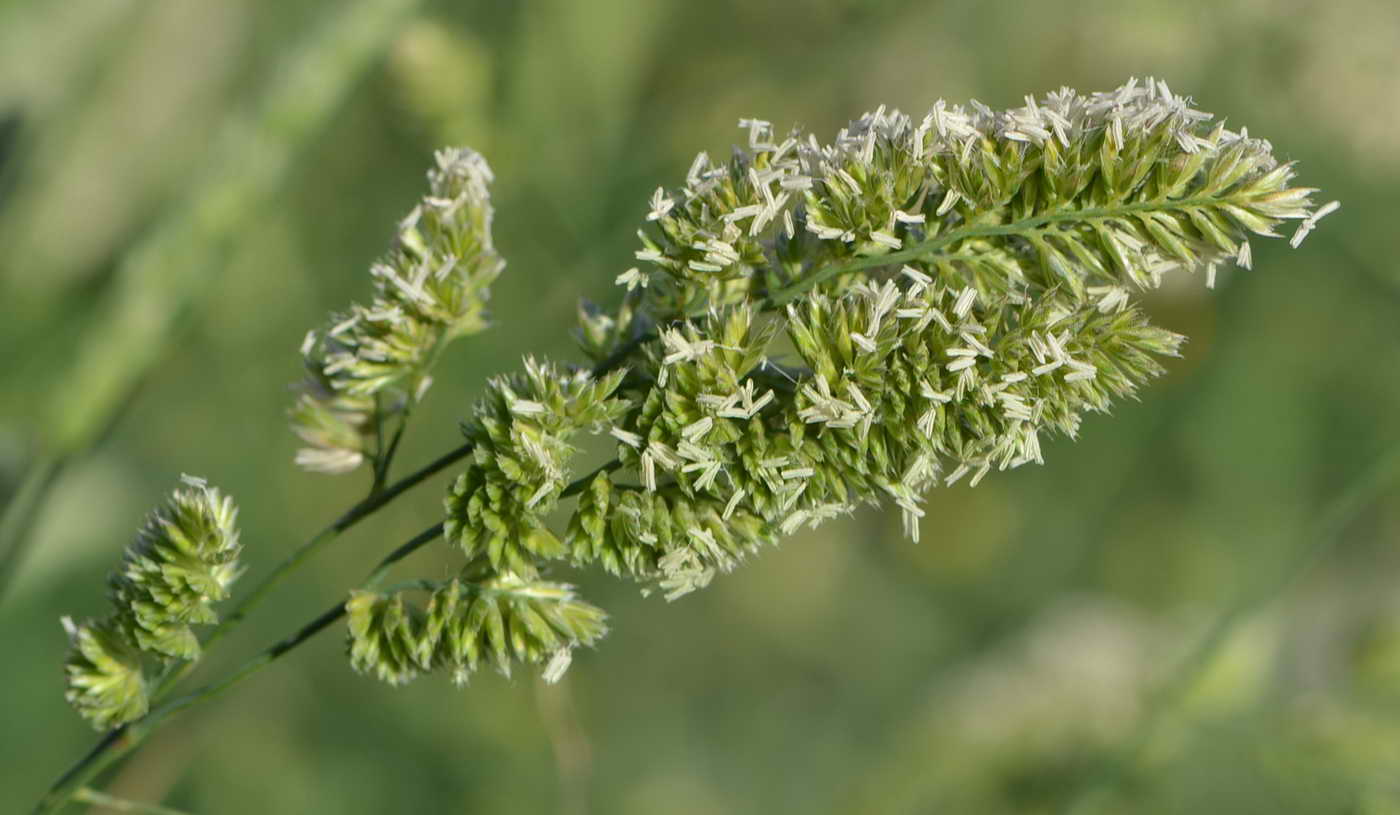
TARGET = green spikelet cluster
x,y
520,462
951,290
373,362
497,621
815,327
183,561
106,683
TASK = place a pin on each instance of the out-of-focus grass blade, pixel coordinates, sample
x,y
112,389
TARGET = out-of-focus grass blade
x,y
18,516
162,274
165,273
1271,582
9,133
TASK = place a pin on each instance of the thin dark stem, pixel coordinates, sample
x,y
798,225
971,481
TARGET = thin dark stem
x,y
379,459
621,354
127,737
371,504
415,543
354,515
579,485
387,459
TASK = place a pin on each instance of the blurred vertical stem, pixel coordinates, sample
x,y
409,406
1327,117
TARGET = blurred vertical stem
x,y
1313,545
168,270
17,518
164,274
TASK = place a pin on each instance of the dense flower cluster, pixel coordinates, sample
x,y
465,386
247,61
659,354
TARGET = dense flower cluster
x,y
819,326
519,464
183,561
494,619
106,683
373,362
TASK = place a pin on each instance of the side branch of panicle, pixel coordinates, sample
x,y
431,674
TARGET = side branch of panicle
x,y
373,362
182,563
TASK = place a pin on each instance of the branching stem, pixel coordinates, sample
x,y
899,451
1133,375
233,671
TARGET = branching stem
x,y
128,737
122,740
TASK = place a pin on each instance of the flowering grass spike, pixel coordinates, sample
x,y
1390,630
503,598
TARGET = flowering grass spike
x,y
814,327
809,328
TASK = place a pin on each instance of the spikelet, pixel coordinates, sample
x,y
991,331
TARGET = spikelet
x,y
182,563
496,620
521,434
106,684
373,362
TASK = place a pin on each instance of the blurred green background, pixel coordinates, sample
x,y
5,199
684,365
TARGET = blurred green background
x,y
1173,615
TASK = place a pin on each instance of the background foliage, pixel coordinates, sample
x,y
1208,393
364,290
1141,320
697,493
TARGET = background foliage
x,y
1025,657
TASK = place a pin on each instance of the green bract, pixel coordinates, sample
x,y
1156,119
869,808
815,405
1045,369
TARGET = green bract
x,y
183,561
105,681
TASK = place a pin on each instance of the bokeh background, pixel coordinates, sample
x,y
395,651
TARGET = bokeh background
x,y
1195,608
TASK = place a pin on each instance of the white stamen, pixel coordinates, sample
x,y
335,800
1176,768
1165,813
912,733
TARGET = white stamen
x,y
953,477
697,429
660,205
539,495
526,407
743,212
628,438
964,302
733,502
949,201
632,278
886,239
558,664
